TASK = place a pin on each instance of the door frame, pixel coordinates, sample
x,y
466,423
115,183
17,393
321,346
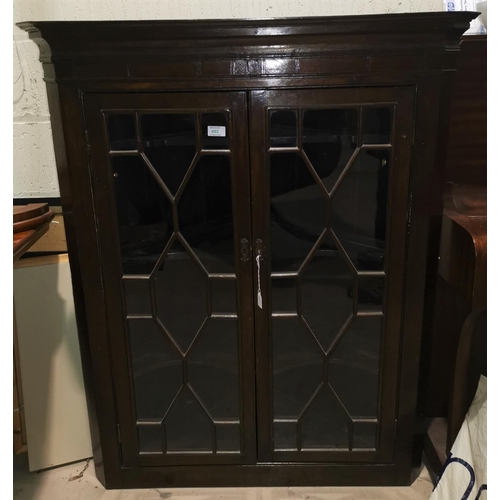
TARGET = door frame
x,y
100,172
402,98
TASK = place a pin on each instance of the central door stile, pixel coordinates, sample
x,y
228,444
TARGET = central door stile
x,y
242,200
260,216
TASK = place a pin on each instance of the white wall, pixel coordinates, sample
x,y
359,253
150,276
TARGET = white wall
x,y
34,164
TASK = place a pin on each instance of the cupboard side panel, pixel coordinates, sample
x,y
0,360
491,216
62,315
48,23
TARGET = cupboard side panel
x,y
68,129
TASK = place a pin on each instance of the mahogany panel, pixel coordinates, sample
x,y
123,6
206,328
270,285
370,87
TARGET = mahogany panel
x,y
467,146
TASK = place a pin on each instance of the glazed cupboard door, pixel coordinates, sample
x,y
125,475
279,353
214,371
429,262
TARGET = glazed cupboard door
x,y
172,202
330,173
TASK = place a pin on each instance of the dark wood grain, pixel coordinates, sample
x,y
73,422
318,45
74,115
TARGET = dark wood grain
x,y
467,147
461,289
463,226
470,364
91,64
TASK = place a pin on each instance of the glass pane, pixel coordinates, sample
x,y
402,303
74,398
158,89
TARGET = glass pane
x,y
137,296
144,215
325,283
354,367
214,131
364,435
377,125
213,368
121,129
283,128
326,424
187,425
156,368
285,435
181,295
228,437
150,438
284,295
371,293
223,293
297,366
330,138
169,142
206,213
359,210
298,211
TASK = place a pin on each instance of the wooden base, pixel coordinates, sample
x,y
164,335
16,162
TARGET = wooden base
x,y
275,474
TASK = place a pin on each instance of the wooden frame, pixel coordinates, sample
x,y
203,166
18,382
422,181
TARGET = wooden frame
x,y
82,58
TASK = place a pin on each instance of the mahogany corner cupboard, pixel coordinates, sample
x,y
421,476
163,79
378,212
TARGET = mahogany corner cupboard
x,y
251,210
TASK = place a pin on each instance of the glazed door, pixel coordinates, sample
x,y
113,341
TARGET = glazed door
x,y
253,324
171,188
330,173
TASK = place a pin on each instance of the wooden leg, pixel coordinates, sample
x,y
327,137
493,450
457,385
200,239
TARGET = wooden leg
x,y
20,444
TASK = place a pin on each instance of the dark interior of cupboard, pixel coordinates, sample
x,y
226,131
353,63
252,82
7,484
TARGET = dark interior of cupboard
x,y
328,221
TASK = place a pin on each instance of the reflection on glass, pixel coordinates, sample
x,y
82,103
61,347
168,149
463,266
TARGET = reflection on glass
x,y
330,137
121,130
325,424
223,293
169,142
228,437
284,295
377,125
175,287
188,426
364,435
325,282
156,368
371,293
137,296
354,367
144,215
298,211
283,128
150,438
359,209
285,435
181,297
214,131
297,366
206,214
213,367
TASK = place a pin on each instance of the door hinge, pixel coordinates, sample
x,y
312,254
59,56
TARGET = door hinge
x,y
396,429
119,433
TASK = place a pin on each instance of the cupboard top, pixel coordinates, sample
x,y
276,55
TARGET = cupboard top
x,y
122,50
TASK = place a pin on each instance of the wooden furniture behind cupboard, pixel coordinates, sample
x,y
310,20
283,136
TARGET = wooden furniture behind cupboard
x,y
247,206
